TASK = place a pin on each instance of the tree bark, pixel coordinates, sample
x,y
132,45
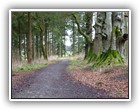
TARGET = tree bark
x,y
107,29
73,36
89,45
33,47
29,39
79,29
116,28
61,40
42,46
119,33
64,47
37,46
20,38
99,34
78,44
52,45
46,41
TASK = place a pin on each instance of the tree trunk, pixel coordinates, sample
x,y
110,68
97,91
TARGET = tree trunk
x,y
126,15
116,28
25,53
64,47
33,47
88,47
48,44
78,44
126,21
61,46
20,38
79,28
29,39
99,33
58,49
73,37
119,37
46,41
106,32
37,47
107,55
52,45
42,46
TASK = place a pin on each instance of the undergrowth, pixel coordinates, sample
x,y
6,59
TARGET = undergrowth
x,y
36,64
103,62
28,67
78,63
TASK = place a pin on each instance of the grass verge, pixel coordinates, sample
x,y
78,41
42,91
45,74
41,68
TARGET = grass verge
x,y
28,67
77,63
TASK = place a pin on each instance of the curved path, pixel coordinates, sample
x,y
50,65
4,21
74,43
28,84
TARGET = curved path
x,y
53,82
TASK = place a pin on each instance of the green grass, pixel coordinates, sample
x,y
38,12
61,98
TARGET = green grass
x,y
29,67
77,63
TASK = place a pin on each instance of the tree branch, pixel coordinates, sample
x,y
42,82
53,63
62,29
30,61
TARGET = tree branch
x,y
79,29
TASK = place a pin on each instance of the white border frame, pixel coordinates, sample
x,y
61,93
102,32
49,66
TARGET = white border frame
x,y
69,10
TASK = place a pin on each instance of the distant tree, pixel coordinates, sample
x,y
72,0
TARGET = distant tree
x,y
29,38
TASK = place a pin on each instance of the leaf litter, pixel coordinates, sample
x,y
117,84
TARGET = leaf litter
x,y
113,80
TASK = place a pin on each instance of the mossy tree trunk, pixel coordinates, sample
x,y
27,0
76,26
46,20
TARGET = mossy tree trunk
x,y
116,28
105,44
126,20
100,42
103,47
88,34
119,32
89,45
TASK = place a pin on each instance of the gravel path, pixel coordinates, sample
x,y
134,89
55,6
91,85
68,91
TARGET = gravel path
x,y
53,82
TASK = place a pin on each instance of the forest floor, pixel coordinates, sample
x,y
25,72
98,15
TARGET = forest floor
x,y
55,81
113,79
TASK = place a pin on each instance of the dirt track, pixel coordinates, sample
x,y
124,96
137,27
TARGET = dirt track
x,y
54,82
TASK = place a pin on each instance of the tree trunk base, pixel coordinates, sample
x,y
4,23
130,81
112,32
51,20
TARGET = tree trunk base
x,y
92,58
110,57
